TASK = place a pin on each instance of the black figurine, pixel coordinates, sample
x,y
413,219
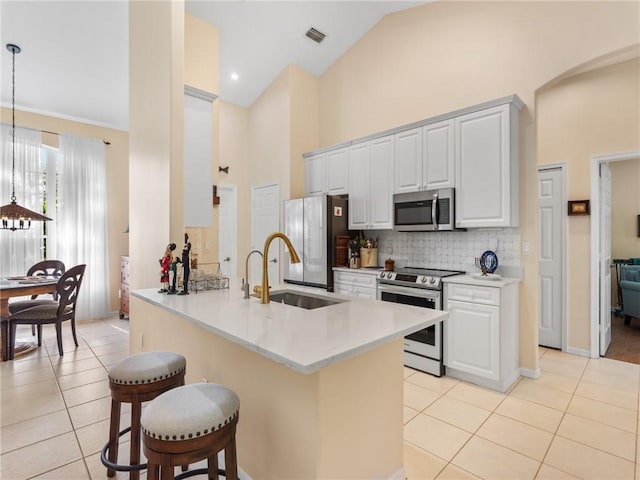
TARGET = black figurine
x,y
173,273
185,265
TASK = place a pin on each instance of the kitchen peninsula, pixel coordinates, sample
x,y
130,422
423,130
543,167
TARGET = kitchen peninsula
x,y
321,391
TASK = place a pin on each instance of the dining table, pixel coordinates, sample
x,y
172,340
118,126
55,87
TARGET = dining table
x,y
11,287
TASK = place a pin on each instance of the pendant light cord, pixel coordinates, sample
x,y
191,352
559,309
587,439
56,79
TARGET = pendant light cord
x,y
13,126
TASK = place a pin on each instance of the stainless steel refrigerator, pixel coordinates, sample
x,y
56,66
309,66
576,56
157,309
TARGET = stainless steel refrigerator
x,y
312,224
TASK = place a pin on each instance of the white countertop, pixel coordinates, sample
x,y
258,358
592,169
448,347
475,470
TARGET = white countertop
x,y
303,340
369,270
469,279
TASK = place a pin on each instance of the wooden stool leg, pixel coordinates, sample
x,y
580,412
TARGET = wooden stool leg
x,y
134,456
231,459
152,471
113,435
212,464
166,472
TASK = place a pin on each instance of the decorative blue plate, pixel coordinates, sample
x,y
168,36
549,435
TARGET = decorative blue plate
x,y
490,261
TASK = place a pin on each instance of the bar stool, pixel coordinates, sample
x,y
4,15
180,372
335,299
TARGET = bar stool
x,y
189,424
136,379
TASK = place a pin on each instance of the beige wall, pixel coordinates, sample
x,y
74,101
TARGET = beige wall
x,y
625,208
234,153
443,56
168,49
280,126
201,71
156,69
584,115
269,136
117,157
305,109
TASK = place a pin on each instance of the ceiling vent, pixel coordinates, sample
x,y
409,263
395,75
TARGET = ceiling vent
x,y
315,35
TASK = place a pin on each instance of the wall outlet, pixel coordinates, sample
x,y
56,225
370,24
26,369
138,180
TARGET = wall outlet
x,y
526,248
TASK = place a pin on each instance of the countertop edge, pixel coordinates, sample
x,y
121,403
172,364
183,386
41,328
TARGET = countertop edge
x,y
469,280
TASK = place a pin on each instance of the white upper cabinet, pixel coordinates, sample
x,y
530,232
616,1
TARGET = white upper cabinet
x,y
486,167
337,171
438,147
327,173
408,161
424,158
473,150
381,175
359,204
314,174
371,184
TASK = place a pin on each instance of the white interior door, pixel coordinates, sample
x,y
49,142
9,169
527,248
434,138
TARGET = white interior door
x,y
550,257
265,219
228,230
605,257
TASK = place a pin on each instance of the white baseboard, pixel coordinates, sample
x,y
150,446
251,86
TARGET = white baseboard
x,y
527,372
400,474
578,351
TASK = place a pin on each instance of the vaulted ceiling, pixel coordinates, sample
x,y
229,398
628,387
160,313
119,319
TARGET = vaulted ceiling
x,y
74,59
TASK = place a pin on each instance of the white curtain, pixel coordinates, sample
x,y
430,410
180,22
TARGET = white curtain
x,y
21,249
82,219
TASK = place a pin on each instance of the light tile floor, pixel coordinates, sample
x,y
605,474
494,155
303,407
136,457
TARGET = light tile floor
x,y
578,420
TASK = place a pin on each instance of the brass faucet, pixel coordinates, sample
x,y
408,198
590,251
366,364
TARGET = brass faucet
x,y
264,298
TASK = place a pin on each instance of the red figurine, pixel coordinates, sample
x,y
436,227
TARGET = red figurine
x,y
165,262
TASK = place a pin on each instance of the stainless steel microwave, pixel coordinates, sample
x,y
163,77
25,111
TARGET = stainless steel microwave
x,y
424,211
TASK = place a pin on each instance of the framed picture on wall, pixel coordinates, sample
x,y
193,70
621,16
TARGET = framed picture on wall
x,y
578,207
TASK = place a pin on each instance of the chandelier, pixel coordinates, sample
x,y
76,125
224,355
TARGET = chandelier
x,y
16,217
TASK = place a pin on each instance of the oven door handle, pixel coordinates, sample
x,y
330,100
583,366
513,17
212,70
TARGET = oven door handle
x,y
410,291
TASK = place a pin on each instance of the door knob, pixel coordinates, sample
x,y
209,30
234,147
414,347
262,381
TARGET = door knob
x,y
227,259
274,260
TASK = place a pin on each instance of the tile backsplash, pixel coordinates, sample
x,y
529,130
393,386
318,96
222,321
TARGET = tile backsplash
x,y
451,250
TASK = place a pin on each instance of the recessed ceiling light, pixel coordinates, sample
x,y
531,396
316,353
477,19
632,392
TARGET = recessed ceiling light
x,y
234,76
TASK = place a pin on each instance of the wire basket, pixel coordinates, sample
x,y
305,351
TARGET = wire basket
x,y
208,281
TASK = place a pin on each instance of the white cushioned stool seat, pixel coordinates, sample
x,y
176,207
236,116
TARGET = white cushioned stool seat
x,y
190,411
188,424
147,367
139,378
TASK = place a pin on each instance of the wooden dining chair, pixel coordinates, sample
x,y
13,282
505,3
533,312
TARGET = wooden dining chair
x,y
64,309
45,268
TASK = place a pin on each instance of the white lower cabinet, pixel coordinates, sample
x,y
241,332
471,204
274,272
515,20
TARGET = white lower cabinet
x,y
355,283
482,334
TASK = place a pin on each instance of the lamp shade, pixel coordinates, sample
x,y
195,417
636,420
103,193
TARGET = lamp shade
x,y
16,217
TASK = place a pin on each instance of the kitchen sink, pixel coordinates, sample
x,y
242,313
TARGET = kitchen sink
x,y
297,299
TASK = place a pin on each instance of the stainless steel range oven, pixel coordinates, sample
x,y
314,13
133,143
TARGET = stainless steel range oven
x,y
419,287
